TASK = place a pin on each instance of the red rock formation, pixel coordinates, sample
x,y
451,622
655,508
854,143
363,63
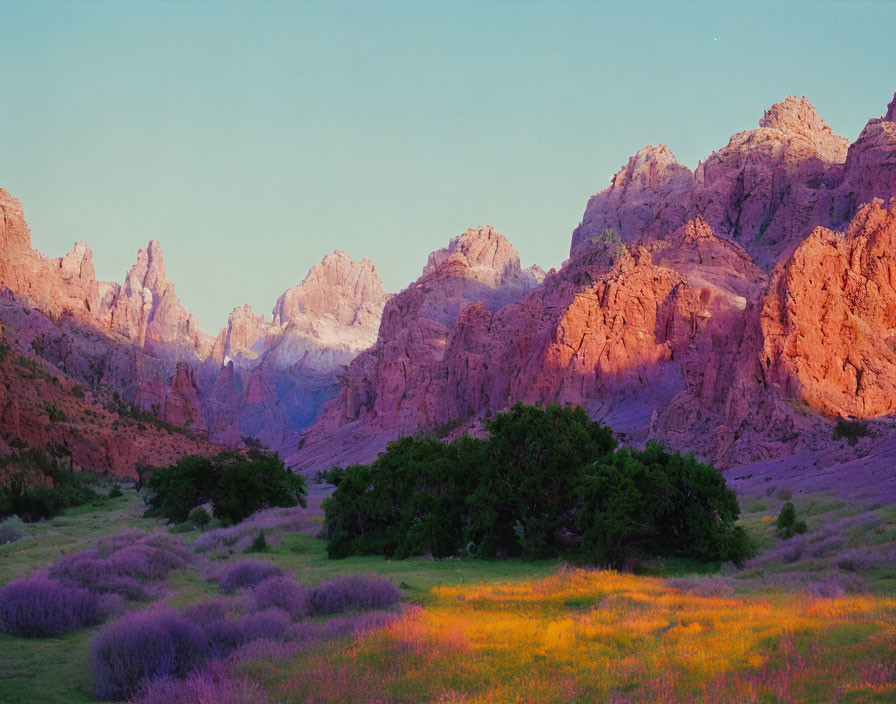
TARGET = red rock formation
x,y
146,311
761,190
139,341
829,320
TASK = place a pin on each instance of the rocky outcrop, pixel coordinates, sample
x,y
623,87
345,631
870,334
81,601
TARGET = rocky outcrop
x,y
761,190
396,386
138,341
869,172
278,374
829,320
651,196
146,311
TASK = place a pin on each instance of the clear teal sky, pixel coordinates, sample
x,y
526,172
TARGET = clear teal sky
x,y
252,138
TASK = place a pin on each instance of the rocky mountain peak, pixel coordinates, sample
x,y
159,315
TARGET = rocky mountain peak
x,y
651,167
487,253
338,287
891,110
798,117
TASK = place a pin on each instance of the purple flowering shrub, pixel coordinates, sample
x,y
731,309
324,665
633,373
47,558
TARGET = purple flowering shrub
x,y
211,685
123,563
355,592
140,646
237,539
147,655
245,574
280,593
273,624
44,607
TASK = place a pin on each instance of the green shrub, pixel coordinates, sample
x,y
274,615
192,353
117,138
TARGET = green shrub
x,y
200,518
32,501
852,430
237,485
56,415
545,479
115,492
787,524
652,502
260,544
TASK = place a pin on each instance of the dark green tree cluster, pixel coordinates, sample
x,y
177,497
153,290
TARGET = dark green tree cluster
x,y
42,487
236,484
852,430
545,482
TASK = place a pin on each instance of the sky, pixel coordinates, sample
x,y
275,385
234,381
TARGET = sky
x,y
252,138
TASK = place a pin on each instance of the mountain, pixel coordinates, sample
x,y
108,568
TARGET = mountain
x,y
135,342
733,311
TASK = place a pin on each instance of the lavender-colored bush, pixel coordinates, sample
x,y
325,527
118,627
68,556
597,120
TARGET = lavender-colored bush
x,y
211,685
44,607
245,574
223,636
280,593
863,559
824,584
354,592
239,538
204,612
108,544
272,624
140,646
122,563
310,633
126,587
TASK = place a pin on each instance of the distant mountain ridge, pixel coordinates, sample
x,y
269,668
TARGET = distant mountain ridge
x,y
734,311
257,378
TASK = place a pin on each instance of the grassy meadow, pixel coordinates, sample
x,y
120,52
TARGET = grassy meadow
x,y
799,623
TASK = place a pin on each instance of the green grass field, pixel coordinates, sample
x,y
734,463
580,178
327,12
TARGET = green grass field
x,y
56,669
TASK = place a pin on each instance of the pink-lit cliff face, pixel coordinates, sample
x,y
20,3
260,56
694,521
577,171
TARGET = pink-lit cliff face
x,y
256,378
699,328
733,312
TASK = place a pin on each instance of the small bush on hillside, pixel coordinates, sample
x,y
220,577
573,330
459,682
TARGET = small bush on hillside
x,y
852,430
115,492
11,530
56,415
200,518
143,645
212,685
260,544
245,574
44,607
282,593
356,592
787,524
237,486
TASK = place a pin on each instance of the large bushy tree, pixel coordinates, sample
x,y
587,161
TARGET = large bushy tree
x,y
544,480
236,484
